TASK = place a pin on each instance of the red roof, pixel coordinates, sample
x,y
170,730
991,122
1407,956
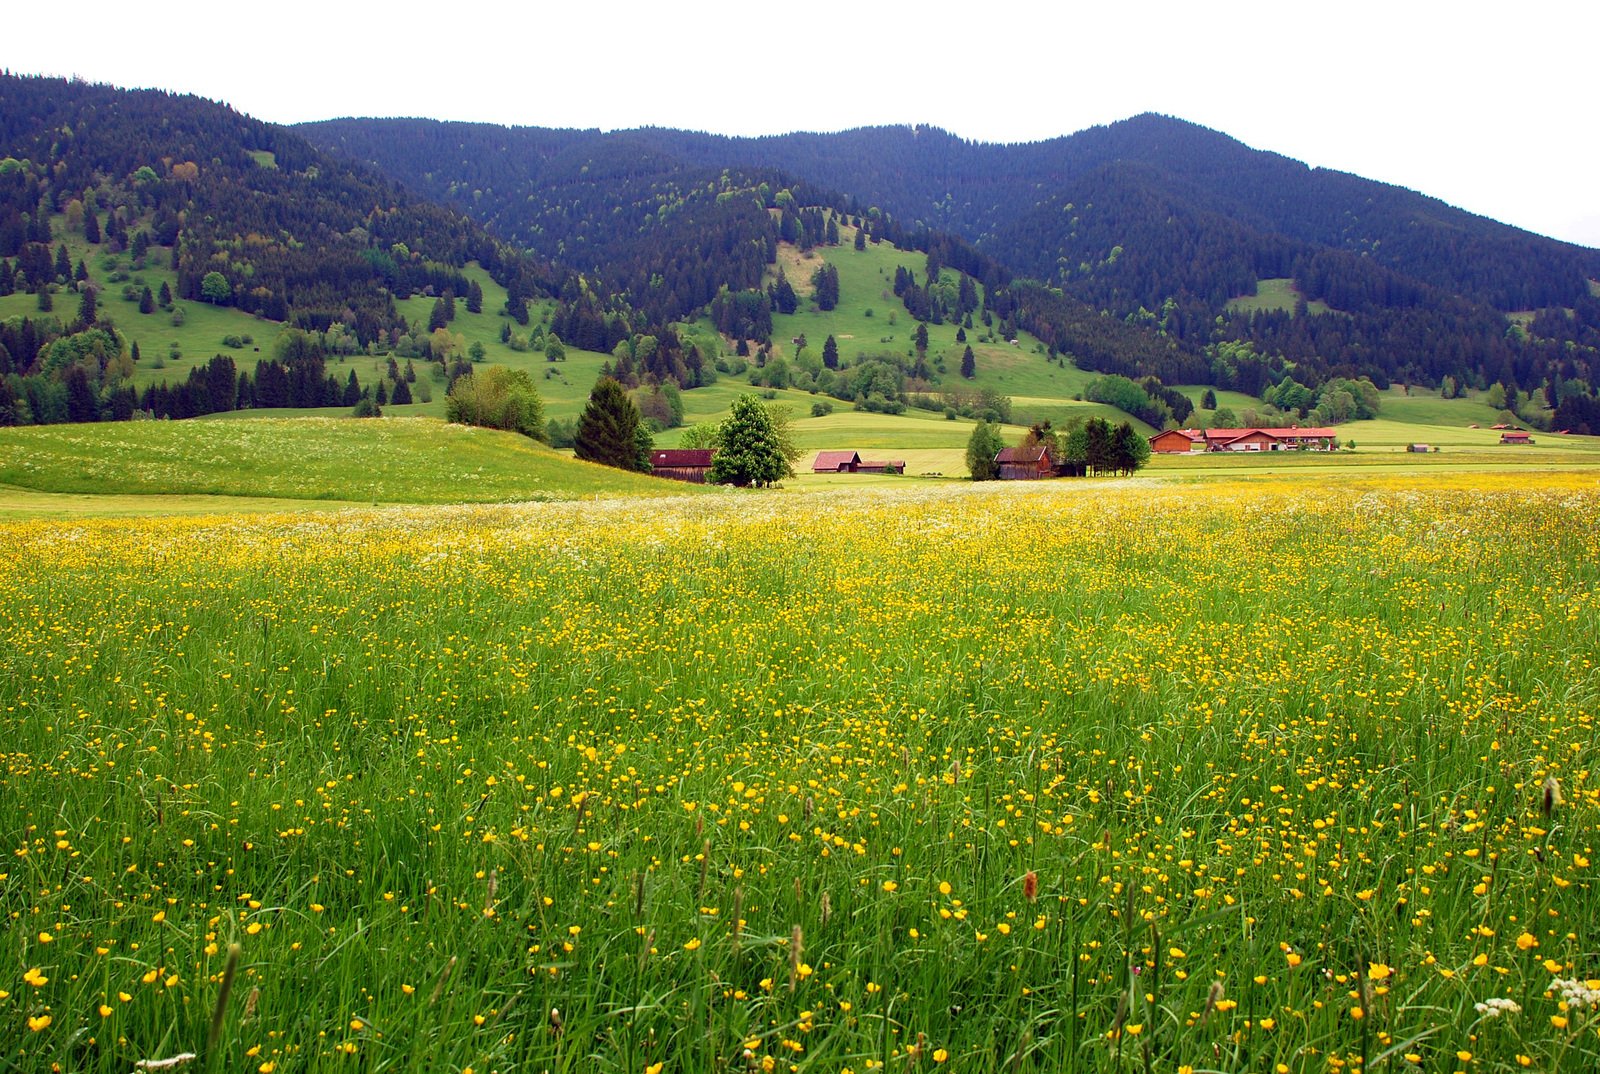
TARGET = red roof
x,y
1036,453
1291,433
1516,436
898,464
681,457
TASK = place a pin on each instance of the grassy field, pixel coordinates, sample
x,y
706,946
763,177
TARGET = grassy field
x,y
1275,294
393,460
1091,776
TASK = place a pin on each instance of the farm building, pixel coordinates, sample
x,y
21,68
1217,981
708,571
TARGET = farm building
x,y
1175,441
1293,438
1516,436
1025,464
682,464
836,462
851,462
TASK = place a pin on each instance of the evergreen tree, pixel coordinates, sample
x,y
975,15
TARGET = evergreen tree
x,y
1208,399
961,335
352,391
164,296
402,393
91,226
383,394
749,450
920,339
63,265
45,303
1130,451
86,308
830,353
784,300
437,318
147,301
969,364
474,298
861,238
982,447
608,429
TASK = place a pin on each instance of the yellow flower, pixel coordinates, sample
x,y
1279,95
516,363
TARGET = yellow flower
x,y
1293,959
1559,1021
1377,971
1525,941
36,978
39,1023
692,945
654,1068
267,1068
45,937
940,1055
105,1011
890,886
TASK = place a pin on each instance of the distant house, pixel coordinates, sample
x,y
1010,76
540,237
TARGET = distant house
x,y
682,464
888,466
1025,464
1175,441
1516,436
1293,438
1418,449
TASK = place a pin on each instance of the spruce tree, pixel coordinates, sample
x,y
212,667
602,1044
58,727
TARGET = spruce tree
x,y
969,364
830,353
608,429
474,298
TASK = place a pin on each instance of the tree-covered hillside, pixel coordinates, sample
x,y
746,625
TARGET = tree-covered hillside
x,y
1153,222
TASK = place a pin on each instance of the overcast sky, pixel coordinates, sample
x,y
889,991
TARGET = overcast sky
x,y
1490,107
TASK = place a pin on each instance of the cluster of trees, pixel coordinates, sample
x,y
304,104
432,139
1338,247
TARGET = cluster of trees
x,y
1146,399
496,397
1081,449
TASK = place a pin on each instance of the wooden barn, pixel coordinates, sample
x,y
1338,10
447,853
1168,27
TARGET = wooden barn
x,y
682,464
1025,464
836,462
1294,438
1175,441
1516,436
887,466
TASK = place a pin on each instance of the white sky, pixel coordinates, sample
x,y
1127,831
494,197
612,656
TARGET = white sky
x,y
1491,107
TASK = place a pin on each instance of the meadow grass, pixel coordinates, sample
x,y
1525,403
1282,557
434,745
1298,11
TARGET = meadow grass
x,y
389,460
1278,293
1094,775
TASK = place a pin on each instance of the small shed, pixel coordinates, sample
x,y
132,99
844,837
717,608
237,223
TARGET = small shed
x,y
836,462
682,464
1173,442
1025,463
888,466
1418,449
1516,436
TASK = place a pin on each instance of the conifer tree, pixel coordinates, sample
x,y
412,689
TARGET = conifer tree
x,y
969,364
608,429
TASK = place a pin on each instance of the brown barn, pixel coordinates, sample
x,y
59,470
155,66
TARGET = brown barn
x,y
682,464
1025,464
1294,437
1516,436
836,462
1173,442
888,466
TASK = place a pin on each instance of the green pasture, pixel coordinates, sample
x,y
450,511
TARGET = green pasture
x,y
1275,294
388,460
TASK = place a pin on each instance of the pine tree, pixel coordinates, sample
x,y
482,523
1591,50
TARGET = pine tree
x,y
474,298
437,318
164,296
861,238
608,429
920,339
91,227
86,307
147,301
830,353
383,394
784,300
969,364
402,393
63,265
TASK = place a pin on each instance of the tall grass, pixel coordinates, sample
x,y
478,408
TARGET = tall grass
x,y
1083,777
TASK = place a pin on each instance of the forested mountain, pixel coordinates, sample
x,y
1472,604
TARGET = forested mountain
x,y
297,235
1154,221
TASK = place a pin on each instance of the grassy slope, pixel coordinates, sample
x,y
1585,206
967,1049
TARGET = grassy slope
x,y
1275,294
385,461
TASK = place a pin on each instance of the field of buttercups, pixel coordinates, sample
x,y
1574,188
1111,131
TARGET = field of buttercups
x,y
1254,776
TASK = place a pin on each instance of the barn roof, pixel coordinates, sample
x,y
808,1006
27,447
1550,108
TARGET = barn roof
x,y
832,460
681,457
1037,453
1293,431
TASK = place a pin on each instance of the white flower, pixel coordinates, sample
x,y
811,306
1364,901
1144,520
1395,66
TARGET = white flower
x,y
1576,992
1495,1006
